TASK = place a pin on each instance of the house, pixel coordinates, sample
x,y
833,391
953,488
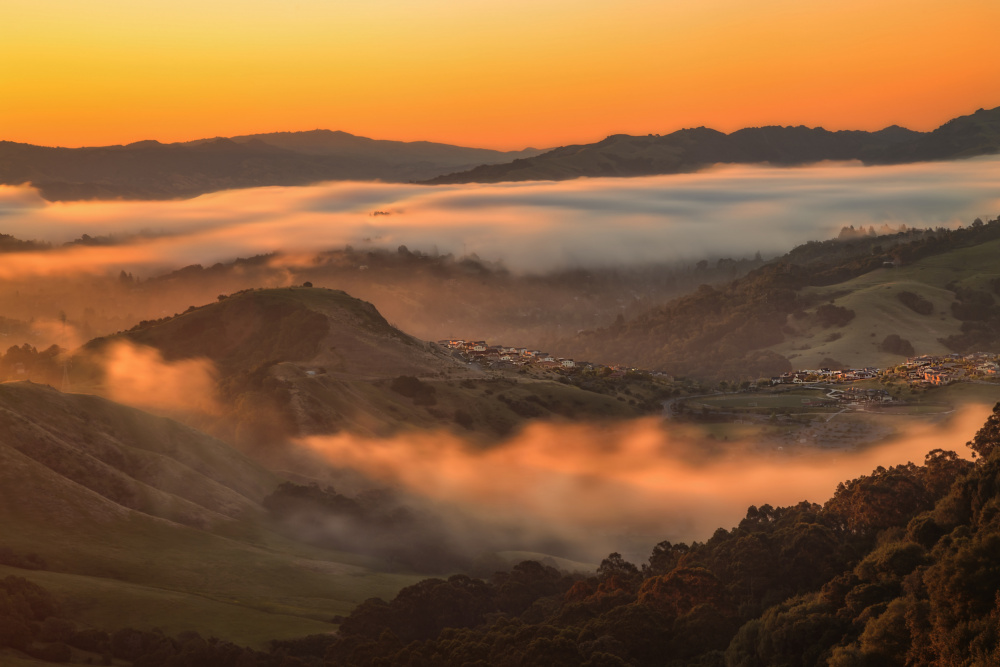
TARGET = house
x,y
567,363
936,376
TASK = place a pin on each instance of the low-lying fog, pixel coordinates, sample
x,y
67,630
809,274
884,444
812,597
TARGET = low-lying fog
x,y
535,226
587,490
617,489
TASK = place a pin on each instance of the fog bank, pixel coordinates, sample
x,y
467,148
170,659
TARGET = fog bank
x,y
533,226
622,487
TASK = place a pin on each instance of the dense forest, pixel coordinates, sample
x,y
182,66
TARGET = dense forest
x,y
899,567
721,332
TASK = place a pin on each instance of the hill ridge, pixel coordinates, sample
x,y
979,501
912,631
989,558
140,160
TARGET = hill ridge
x,y
691,149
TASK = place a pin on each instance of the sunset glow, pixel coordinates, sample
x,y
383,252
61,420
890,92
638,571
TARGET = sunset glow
x,y
496,75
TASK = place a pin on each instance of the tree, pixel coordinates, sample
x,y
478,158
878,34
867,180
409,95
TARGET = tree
x,y
988,437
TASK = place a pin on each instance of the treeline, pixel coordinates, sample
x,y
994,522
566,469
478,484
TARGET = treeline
x,y
900,567
980,316
10,243
25,362
721,332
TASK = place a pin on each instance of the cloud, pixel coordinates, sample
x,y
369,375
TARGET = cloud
x,y
619,487
137,375
534,226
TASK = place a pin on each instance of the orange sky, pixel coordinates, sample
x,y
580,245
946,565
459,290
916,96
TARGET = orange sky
x,y
503,74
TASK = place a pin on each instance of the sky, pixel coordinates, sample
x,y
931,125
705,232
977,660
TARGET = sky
x,y
500,75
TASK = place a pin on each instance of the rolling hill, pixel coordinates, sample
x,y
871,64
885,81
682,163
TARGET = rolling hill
x,y
137,519
151,170
304,360
692,149
823,304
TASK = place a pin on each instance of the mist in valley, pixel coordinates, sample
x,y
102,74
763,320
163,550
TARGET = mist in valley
x,y
521,264
518,264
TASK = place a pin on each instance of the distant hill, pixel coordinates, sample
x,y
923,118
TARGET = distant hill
x,y
151,170
823,302
299,361
692,149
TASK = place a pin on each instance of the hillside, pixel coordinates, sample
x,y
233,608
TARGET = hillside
x,y
151,170
304,360
692,149
897,567
940,282
136,518
428,296
823,304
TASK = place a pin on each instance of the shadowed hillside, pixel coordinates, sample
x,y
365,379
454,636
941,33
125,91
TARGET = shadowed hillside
x,y
299,361
129,515
898,567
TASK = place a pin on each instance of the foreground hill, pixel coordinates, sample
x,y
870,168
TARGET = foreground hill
x,y
692,149
899,567
824,304
136,518
304,360
151,170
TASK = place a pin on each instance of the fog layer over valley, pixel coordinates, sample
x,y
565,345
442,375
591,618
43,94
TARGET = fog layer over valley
x,y
326,449
536,226
616,246
588,491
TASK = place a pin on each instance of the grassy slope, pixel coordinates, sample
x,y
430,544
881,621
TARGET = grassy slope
x,y
335,357
122,565
879,312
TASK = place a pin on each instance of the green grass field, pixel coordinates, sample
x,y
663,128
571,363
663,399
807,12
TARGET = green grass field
x,y
110,604
879,312
792,399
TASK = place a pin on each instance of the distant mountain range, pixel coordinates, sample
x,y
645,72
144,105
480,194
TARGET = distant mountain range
x,y
151,170
692,149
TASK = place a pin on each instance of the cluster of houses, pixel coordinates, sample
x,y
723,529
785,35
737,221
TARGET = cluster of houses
x,y
923,370
937,370
501,357
826,375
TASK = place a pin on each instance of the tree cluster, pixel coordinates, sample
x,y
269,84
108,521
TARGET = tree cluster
x,y
420,392
899,567
26,362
